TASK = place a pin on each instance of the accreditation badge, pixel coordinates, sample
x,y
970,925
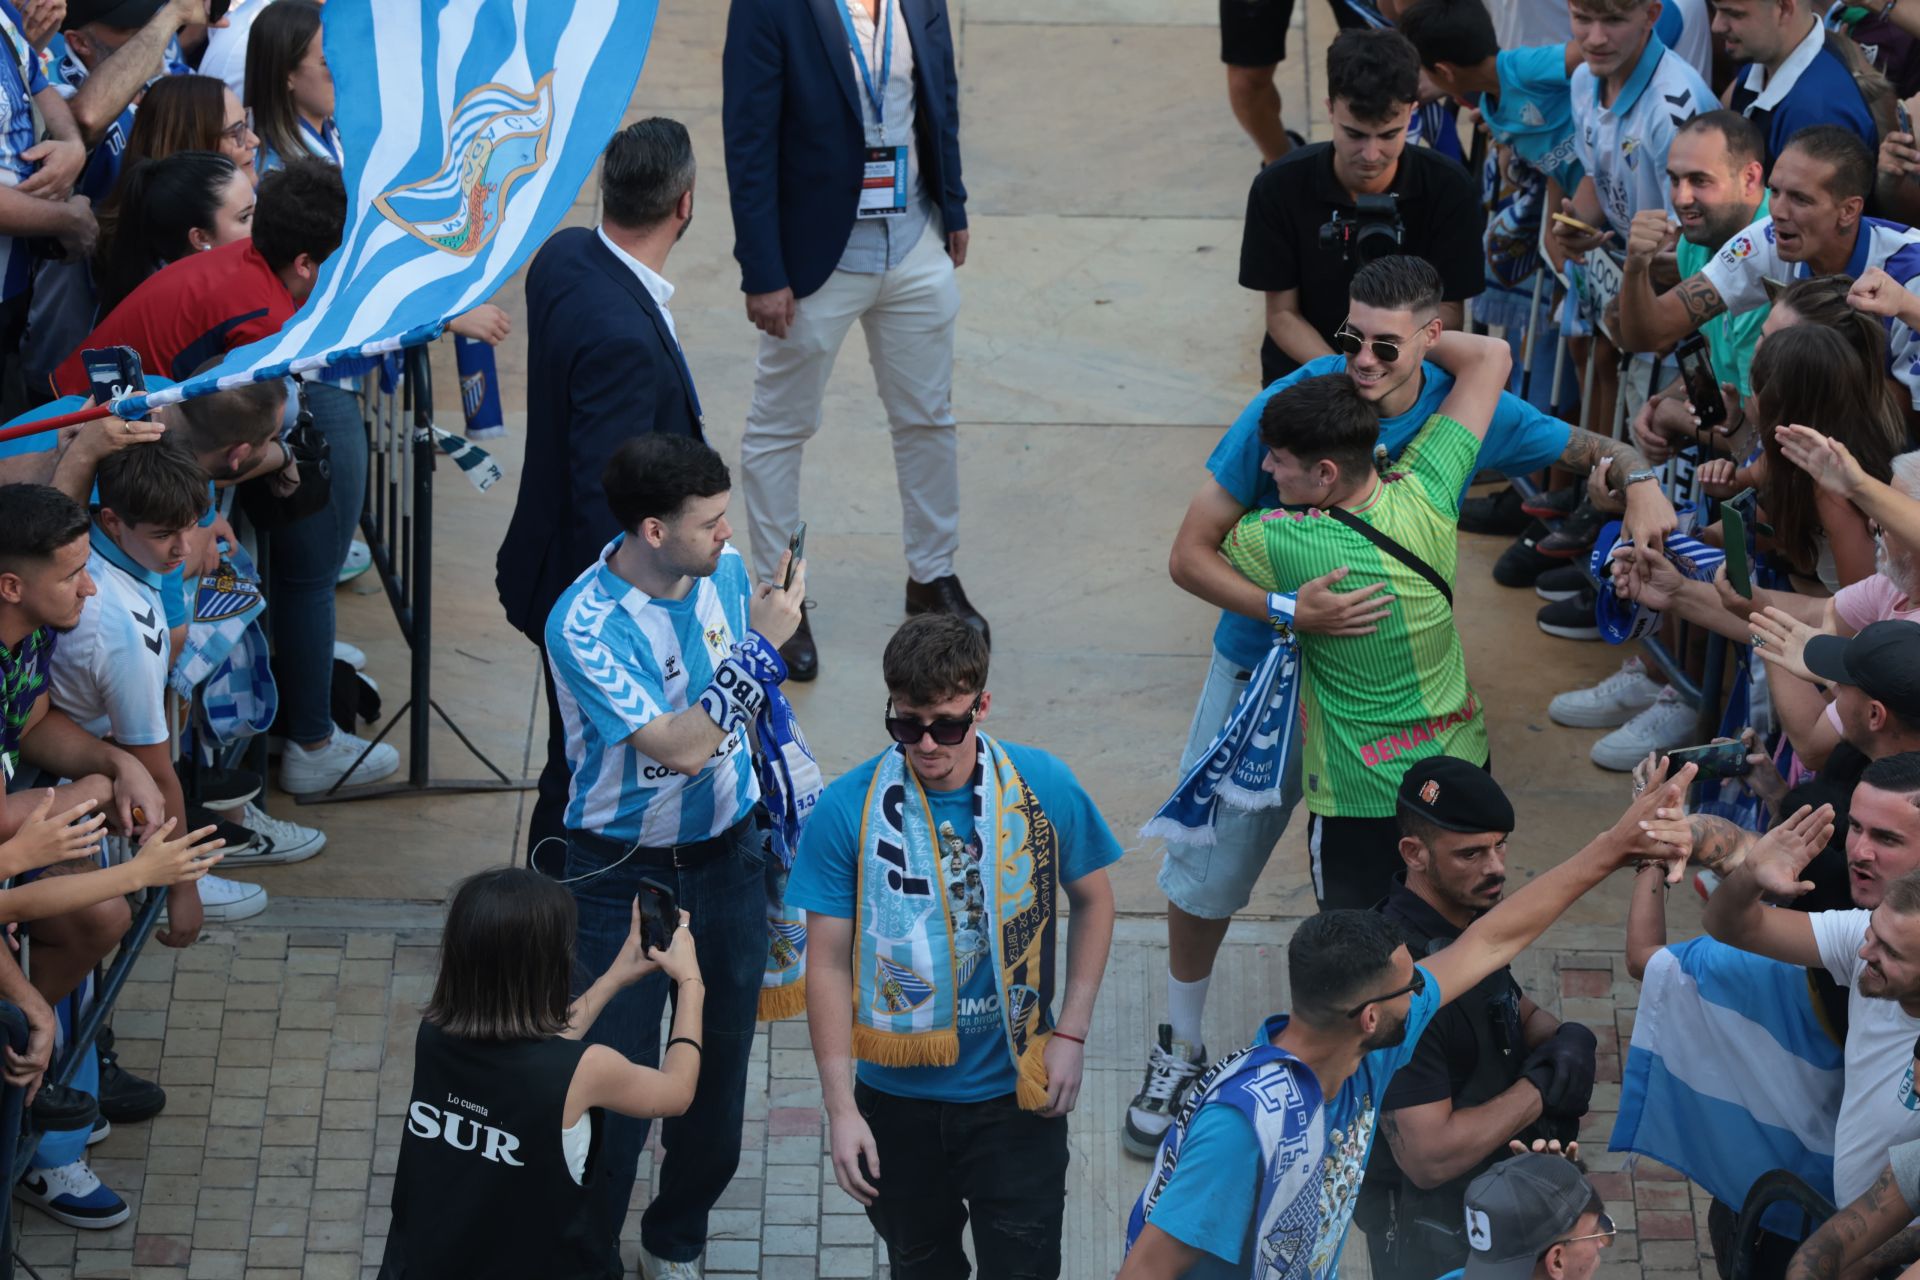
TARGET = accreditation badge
x,y
883,184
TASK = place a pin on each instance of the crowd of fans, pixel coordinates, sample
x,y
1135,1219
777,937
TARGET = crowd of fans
x,y
148,207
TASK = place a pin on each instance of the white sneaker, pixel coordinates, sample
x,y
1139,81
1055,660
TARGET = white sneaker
x,y
353,655
1172,1067
359,560
652,1268
228,900
1613,701
1667,724
73,1194
304,772
279,841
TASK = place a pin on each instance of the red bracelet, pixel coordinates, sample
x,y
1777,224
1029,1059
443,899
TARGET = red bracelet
x,y
1064,1036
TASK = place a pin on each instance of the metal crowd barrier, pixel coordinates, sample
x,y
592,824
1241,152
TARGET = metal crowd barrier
x,y
397,524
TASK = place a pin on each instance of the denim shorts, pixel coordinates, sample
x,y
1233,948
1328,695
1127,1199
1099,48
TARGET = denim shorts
x,y
1215,880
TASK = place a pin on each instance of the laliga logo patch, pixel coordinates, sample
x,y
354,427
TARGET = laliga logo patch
x,y
1479,1230
1429,792
496,137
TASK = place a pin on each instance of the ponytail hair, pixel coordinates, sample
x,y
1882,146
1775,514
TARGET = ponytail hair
x,y
159,204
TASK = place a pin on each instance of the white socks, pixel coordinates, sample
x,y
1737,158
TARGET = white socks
x,y
1186,1002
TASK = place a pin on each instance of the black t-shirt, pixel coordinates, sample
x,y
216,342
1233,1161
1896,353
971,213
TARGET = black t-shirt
x,y
1445,1057
1295,196
1834,784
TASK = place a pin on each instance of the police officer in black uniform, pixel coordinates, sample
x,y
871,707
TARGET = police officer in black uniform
x,y
1494,1066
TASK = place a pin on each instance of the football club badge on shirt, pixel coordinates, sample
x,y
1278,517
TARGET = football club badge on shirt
x,y
1531,117
497,137
1906,1094
1629,151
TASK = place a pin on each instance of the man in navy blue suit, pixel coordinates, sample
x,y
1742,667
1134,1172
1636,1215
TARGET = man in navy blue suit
x,y
842,122
603,364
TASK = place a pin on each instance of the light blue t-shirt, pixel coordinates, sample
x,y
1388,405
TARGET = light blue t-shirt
x,y
620,658
1520,439
1210,1201
1534,113
824,880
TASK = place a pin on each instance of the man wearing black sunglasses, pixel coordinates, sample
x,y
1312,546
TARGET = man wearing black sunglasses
x,y
1273,1146
930,876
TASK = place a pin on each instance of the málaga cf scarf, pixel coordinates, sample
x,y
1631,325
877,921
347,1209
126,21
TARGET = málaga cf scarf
x,y
906,989
790,785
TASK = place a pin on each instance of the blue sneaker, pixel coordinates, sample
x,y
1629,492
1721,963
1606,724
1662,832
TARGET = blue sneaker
x,y
70,1193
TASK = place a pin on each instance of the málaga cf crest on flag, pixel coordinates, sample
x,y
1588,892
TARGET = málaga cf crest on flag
x,y
467,130
498,137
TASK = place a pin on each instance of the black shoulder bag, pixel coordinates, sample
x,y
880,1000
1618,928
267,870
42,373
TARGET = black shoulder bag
x,y
1394,549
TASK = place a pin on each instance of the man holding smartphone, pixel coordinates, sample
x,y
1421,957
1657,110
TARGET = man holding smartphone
x,y
662,655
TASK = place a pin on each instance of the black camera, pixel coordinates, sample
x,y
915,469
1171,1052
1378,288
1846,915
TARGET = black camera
x,y
1372,230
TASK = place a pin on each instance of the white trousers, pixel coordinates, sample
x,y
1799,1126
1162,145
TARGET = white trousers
x,y
908,314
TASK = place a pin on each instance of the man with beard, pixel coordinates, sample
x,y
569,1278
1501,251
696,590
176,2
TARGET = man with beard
x,y
1494,1065
1875,955
1257,1177
1715,180
591,385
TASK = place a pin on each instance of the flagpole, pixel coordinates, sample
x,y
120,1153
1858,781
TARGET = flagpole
x,y
34,428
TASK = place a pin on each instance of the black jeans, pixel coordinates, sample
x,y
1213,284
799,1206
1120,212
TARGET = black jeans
x,y
941,1160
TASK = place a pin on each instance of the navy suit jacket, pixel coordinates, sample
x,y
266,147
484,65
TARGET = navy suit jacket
x,y
795,141
601,368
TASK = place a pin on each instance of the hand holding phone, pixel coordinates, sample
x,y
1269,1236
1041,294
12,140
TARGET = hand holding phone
x,y
659,917
1567,219
796,552
1715,759
1703,389
1733,529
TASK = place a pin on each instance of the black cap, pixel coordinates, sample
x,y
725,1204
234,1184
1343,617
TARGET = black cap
x,y
126,15
1455,795
1882,661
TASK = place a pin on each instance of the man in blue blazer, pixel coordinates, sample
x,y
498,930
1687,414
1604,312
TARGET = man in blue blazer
x,y
603,364
842,122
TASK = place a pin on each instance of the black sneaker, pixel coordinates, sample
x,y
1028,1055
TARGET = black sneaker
x,y
1575,535
1521,564
238,838
1559,584
1555,504
212,787
58,1107
124,1097
1572,618
1498,512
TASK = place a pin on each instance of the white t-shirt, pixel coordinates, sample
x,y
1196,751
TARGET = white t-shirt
x,y
1878,1108
1623,147
1738,272
226,55
110,672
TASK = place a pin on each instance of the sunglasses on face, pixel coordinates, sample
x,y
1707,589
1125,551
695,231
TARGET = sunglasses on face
x,y
1604,1235
947,730
1348,343
1418,985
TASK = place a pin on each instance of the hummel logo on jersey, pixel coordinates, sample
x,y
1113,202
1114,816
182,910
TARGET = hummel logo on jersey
x,y
153,635
673,666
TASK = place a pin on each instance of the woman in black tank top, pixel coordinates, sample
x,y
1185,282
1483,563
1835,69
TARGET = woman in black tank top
x,y
484,1187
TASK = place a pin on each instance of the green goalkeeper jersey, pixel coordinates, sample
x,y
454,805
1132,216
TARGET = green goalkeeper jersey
x,y
1373,705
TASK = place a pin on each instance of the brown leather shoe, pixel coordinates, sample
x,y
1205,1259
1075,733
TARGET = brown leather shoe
x,y
802,659
945,595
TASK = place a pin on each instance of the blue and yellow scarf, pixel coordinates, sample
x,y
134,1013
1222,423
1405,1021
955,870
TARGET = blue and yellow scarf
x,y
906,989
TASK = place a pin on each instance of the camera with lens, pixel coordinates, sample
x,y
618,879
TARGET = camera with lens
x,y
1372,230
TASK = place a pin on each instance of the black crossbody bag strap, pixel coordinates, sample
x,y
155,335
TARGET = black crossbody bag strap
x,y
1394,549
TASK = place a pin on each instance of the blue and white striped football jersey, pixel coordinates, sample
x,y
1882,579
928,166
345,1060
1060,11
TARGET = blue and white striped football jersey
x,y
621,657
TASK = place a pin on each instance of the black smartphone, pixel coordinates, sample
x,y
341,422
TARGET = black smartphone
x,y
217,9
1733,529
113,372
1703,389
1716,759
659,915
796,552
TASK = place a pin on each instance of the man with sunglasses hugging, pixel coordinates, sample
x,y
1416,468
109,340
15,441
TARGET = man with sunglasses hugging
x,y
1393,321
931,875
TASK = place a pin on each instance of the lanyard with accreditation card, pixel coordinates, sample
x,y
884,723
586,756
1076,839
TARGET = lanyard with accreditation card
x,y
883,175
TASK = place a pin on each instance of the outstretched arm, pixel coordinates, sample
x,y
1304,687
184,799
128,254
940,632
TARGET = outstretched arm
x,y
1737,916
1644,832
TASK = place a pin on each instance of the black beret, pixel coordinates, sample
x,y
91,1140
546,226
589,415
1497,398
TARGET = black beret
x,y
1455,796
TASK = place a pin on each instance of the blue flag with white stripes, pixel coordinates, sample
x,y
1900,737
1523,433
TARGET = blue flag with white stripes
x,y
468,127
1731,1071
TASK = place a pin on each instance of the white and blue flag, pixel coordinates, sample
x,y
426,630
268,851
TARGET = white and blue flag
x,y
469,127
1731,1072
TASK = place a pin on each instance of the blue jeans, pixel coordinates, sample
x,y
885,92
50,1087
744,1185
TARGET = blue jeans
x,y
726,900
304,568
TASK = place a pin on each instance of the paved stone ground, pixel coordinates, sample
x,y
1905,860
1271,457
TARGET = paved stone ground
x,y
286,1050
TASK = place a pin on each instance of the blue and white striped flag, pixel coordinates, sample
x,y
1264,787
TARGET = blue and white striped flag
x,y
1731,1072
469,126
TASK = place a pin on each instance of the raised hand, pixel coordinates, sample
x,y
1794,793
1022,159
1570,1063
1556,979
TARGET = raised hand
x,y
180,861
1781,641
47,837
1879,294
1829,462
1777,858
1654,828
